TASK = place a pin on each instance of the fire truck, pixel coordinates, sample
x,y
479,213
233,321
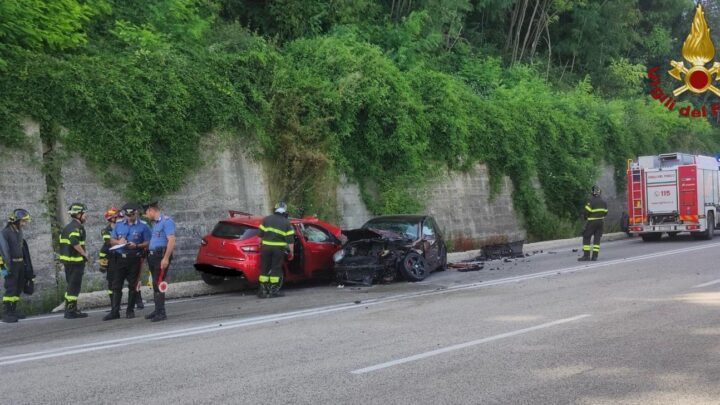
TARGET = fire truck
x,y
672,193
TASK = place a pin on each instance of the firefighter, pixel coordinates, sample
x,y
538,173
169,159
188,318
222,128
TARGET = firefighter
x,y
594,213
276,233
131,236
12,263
162,244
111,216
73,256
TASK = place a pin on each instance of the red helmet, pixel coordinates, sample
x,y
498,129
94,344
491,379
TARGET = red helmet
x,y
111,213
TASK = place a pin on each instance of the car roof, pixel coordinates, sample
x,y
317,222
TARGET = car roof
x,y
256,220
400,218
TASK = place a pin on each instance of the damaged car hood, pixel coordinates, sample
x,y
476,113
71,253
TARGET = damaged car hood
x,y
354,235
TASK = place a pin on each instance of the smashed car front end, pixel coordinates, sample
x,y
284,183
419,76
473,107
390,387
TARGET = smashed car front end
x,y
368,257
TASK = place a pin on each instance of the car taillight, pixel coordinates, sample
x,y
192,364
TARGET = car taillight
x,y
253,248
203,242
636,228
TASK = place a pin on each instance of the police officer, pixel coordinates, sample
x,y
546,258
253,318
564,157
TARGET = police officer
x,y
595,212
111,216
12,263
162,243
73,256
132,237
276,233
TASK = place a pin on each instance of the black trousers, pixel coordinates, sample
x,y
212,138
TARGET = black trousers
x,y
271,259
154,260
73,276
14,282
124,268
593,231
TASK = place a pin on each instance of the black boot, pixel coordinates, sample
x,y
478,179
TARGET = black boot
x,y
263,290
71,311
18,314
151,315
594,256
8,314
115,306
159,308
275,290
140,303
130,311
585,257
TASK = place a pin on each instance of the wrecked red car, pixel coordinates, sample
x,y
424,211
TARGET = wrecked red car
x,y
232,249
391,247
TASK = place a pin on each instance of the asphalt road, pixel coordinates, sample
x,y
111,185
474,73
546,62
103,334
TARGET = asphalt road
x,y
640,326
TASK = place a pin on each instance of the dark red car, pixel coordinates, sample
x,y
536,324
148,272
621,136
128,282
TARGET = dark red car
x,y
232,249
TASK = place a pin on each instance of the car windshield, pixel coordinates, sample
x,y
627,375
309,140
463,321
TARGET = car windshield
x,y
229,230
403,227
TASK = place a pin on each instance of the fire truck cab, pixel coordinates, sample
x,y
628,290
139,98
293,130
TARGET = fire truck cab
x,y
672,193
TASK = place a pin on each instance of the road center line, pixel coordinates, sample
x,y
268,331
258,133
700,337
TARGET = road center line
x,y
231,324
709,283
465,345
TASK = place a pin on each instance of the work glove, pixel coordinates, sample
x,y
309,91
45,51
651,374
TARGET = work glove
x,y
103,264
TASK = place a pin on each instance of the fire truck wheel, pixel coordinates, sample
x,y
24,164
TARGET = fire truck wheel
x,y
710,231
651,237
673,235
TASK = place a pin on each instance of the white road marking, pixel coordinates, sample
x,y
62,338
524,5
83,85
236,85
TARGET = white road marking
x,y
105,309
231,324
709,283
465,345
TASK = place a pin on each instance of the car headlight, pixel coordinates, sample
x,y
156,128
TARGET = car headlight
x,y
339,255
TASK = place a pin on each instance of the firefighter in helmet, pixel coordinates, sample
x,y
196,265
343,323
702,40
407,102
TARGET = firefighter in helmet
x,y
594,213
111,216
277,236
73,256
12,262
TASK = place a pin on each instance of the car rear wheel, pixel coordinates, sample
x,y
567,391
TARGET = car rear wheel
x,y
211,279
413,267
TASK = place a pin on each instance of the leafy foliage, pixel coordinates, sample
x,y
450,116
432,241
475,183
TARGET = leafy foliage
x,y
388,93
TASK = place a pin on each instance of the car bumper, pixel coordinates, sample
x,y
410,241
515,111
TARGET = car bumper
x,y
358,274
229,267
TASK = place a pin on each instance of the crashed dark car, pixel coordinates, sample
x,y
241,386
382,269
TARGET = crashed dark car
x,y
391,247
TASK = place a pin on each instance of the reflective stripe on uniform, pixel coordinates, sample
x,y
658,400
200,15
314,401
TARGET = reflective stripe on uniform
x,y
106,237
11,299
277,231
274,279
66,241
590,209
586,248
102,255
596,248
263,278
70,297
70,258
595,218
109,292
271,243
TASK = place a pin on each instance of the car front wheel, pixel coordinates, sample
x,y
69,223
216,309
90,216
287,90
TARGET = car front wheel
x,y
413,267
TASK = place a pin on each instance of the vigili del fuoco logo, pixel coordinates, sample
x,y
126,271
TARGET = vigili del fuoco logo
x,y
698,50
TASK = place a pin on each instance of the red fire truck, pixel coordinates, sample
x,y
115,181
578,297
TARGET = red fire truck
x,y
672,193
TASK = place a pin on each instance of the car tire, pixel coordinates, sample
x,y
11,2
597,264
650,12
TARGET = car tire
x,y
211,279
413,267
651,237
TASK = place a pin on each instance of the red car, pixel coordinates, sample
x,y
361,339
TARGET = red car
x,y
232,249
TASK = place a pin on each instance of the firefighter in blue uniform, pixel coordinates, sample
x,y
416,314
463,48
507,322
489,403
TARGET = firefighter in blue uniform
x,y
277,236
73,256
162,244
132,237
594,212
12,263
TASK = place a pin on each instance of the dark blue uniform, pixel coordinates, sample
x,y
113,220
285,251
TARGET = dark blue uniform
x,y
125,263
162,228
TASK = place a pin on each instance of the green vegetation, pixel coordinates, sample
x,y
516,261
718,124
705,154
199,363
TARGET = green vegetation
x,y
386,92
